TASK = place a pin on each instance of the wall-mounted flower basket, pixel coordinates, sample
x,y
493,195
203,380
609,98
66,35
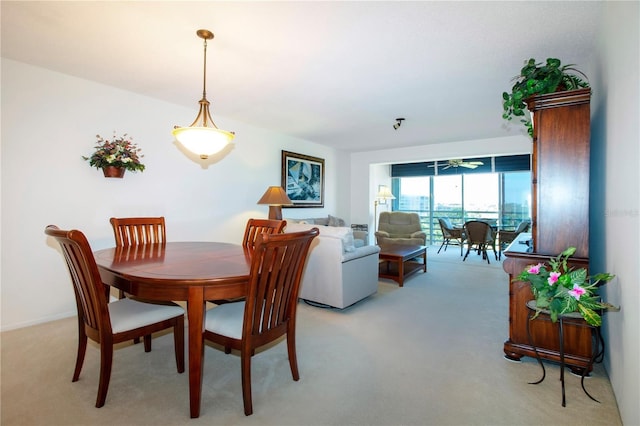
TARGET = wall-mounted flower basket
x,y
113,172
115,156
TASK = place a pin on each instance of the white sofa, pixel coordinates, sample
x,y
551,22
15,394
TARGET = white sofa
x,y
337,273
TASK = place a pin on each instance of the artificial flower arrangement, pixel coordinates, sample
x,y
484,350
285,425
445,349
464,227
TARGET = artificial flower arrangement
x,y
561,290
118,152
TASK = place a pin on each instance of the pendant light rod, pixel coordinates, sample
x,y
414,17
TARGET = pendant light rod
x,y
204,35
204,115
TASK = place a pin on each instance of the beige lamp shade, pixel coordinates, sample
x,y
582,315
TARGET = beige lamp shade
x,y
384,193
275,197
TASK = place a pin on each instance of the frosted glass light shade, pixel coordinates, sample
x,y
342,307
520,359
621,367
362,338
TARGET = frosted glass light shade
x,y
203,141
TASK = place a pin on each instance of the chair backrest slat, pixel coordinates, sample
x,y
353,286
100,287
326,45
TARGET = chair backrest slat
x,y
132,231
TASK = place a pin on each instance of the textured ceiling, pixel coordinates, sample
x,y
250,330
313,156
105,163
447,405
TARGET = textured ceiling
x,y
336,73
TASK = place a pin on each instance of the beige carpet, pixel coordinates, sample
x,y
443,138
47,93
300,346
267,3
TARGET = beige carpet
x,y
429,353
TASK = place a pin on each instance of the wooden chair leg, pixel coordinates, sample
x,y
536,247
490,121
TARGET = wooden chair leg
x,y
82,349
293,359
245,361
106,359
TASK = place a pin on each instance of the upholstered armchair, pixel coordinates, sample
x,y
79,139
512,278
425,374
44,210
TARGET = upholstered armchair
x,y
400,228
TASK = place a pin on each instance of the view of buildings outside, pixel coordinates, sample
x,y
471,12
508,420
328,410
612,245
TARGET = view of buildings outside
x,y
504,199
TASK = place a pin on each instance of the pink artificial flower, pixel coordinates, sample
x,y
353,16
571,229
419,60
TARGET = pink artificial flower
x,y
553,277
535,269
577,291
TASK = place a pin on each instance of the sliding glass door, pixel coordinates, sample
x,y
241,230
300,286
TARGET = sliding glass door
x,y
502,198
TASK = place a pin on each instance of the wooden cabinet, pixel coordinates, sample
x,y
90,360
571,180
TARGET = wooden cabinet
x,y
560,219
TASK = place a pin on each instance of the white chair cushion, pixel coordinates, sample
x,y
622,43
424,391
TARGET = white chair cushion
x,y
128,314
226,320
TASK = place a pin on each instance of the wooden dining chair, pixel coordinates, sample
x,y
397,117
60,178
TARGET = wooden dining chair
x,y
133,231
269,310
256,227
480,235
110,323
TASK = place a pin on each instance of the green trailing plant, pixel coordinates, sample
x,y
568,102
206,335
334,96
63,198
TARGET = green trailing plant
x,y
561,290
538,79
118,152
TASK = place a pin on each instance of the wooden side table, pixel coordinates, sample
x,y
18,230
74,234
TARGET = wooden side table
x,y
576,319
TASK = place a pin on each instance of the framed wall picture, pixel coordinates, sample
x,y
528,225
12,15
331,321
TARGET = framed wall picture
x,y
303,179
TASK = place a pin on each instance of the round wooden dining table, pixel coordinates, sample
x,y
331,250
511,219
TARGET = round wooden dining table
x,y
180,271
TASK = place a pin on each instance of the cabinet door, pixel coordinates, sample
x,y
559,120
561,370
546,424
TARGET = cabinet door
x,y
560,172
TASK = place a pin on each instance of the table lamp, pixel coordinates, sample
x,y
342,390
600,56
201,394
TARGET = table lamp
x,y
275,197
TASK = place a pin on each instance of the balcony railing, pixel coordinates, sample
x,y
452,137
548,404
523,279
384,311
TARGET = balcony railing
x,y
431,227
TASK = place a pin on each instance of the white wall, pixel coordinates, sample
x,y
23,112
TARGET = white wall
x,y
615,196
49,120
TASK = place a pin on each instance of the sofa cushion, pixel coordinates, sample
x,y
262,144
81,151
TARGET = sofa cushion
x,y
299,227
321,221
324,221
341,232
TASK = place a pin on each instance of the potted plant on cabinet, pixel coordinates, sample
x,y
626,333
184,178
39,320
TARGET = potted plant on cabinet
x,y
116,155
537,79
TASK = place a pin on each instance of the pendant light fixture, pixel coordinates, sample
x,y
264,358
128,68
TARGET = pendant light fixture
x,y
203,137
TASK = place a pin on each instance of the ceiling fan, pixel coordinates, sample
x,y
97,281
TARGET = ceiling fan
x,y
458,163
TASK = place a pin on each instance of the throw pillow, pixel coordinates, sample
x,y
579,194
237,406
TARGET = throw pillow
x,y
335,221
298,227
321,221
